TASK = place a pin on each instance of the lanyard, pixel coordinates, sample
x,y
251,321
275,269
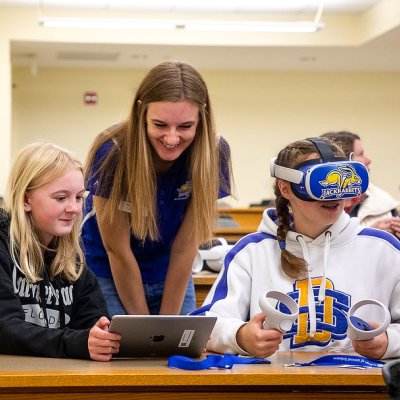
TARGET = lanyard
x,y
339,360
212,361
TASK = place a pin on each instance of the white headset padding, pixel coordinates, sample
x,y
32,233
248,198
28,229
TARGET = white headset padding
x,y
222,241
212,255
354,333
288,174
215,256
275,318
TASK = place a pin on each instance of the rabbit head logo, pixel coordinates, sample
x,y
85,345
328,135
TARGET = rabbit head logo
x,y
340,181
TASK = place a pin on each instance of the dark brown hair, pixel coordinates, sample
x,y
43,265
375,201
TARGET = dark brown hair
x,y
344,139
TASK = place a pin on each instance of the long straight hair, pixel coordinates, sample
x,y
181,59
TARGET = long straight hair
x,y
35,166
135,178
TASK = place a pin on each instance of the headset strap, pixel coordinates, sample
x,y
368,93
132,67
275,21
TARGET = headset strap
x,y
324,149
213,361
341,360
288,174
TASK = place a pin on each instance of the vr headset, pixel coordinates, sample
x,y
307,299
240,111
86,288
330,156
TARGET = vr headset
x,y
326,178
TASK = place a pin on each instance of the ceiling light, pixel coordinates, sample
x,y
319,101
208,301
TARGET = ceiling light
x,y
104,23
213,26
254,26
194,25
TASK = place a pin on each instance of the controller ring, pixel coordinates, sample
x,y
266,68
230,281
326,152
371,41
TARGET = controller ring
x,y
354,333
275,318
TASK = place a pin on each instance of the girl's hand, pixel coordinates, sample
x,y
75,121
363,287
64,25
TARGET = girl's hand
x,y
102,344
252,338
373,348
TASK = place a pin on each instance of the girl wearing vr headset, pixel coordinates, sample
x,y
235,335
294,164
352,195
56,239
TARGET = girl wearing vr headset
x,y
309,249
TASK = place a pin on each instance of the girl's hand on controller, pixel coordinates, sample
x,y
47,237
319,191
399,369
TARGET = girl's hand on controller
x,y
256,341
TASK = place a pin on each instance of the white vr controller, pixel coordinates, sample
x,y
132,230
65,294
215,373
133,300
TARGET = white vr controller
x,y
276,319
358,329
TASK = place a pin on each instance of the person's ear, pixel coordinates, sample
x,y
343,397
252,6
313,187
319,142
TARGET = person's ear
x,y
285,189
27,203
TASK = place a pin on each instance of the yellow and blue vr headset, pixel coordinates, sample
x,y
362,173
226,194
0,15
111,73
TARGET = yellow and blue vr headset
x,y
326,178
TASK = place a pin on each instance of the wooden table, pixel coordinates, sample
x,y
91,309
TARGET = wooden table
x,y
202,285
246,220
45,378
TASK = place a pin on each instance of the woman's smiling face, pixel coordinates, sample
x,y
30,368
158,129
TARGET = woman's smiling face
x,y
171,128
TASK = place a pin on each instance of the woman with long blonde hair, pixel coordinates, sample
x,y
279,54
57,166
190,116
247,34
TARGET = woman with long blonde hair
x,y
50,304
154,181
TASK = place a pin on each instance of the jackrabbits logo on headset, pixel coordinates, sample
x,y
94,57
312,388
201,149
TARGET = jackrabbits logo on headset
x,y
326,178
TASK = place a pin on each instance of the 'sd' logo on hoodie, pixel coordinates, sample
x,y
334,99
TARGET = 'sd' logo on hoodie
x,y
330,314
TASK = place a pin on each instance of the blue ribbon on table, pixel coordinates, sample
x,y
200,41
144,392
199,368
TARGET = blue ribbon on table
x,y
341,360
213,361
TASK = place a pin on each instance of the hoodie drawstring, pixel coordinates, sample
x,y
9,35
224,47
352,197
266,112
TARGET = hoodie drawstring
x,y
327,247
312,311
311,301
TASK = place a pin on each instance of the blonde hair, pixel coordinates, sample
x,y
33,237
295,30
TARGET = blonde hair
x,y
291,156
35,166
133,161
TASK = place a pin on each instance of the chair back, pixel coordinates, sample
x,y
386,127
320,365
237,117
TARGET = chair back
x,y
391,376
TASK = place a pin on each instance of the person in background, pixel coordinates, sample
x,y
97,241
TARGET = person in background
x,y
154,181
50,304
376,208
311,250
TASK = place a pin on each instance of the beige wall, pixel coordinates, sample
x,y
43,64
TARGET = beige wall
x,y
257,112
5,111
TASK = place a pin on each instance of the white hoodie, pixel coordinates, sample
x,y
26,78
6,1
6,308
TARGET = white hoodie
x,y
352,262
377,205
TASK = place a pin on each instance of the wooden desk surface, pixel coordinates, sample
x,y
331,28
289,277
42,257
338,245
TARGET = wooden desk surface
x,y
205,278
241,210
246,219
202,283
26,377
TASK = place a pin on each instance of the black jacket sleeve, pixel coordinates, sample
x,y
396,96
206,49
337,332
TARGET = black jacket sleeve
x,y
20,337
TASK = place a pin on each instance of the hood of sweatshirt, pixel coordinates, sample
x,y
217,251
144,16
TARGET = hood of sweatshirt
x,y
376,203
342,231
46,285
